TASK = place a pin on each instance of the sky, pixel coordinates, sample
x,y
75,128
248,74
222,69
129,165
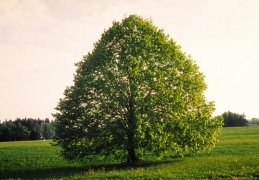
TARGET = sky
x,y
41,40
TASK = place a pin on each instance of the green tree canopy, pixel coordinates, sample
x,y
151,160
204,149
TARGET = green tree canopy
x,y
136,92
234,119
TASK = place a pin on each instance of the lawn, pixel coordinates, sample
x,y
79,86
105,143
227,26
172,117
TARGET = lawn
x,y
235,156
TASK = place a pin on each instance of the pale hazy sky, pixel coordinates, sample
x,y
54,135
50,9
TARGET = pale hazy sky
x,y
40,40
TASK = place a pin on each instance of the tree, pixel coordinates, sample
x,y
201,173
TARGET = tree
x,y
136,92
254,121
48,130
21,132
7,131
234,119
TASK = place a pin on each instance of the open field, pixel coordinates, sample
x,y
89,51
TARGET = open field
x,y
235,156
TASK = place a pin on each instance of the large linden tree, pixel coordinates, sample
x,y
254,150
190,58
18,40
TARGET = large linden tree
x,y
135,94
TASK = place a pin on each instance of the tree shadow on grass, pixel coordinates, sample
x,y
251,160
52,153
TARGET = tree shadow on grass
x,y
66,172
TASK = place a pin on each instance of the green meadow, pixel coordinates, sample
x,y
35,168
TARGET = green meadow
x,y
236,156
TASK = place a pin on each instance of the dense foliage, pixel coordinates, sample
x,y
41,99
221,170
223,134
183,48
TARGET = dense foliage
x,y
26,129
135,93
234,119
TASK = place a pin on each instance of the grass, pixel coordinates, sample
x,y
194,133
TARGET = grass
x,y
235,156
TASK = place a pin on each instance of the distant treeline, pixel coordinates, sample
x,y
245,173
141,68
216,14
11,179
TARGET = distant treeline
x,y
26,129
254,121
234,119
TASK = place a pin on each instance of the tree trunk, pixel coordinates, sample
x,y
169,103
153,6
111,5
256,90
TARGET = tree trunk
x,y
132,157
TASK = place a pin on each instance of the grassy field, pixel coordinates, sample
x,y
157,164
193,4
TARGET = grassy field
x,y
236,156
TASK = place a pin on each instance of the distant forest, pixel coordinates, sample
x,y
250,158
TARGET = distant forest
x,y
232,119
26,129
